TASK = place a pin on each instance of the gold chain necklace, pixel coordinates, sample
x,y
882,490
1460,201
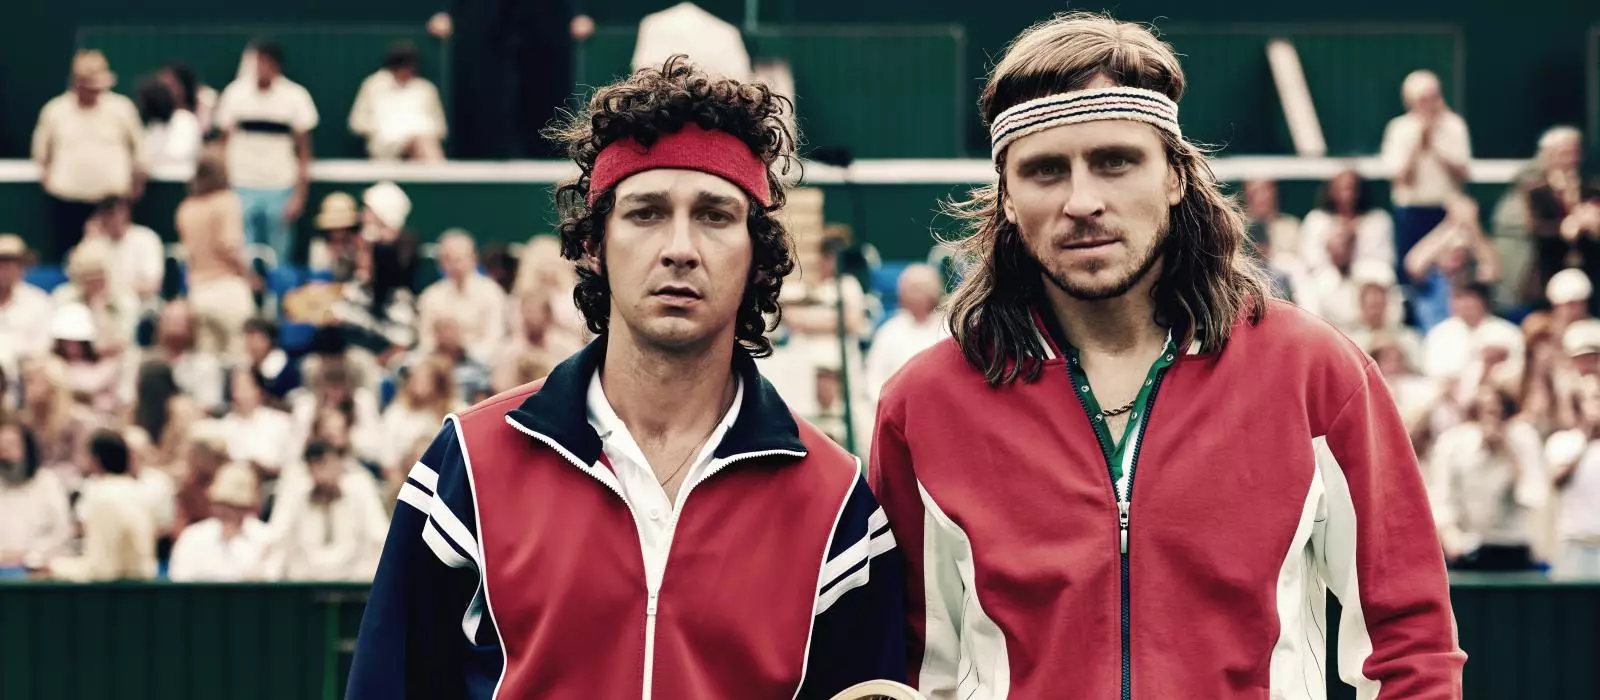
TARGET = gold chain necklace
x,y
700,443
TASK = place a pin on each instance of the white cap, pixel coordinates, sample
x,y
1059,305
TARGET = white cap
x,y
1568,285
1499,335
389,203
1365,272
1581,338
73,322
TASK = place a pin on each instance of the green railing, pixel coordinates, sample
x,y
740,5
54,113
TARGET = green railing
x,y
1526,638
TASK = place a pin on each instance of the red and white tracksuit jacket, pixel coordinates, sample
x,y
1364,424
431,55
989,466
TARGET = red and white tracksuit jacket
x,y
1269,473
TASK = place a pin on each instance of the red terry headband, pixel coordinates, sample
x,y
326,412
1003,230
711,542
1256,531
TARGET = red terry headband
x,y
713,152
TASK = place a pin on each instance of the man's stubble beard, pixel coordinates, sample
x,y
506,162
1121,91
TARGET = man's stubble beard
x,y
1151,256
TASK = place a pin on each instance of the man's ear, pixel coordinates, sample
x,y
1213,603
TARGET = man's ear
x,y
592,249
1007,208
1174,187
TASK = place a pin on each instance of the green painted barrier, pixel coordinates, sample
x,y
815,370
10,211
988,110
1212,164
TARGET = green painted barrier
x,y
1525,638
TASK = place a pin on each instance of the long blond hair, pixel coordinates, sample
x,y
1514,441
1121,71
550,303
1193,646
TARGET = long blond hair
x,y
1208,281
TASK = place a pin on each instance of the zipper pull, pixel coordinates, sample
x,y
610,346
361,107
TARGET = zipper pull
x,y
650,604
1122,523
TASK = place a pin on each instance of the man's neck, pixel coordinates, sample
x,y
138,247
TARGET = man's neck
x,y
460,283
1114,326
657,394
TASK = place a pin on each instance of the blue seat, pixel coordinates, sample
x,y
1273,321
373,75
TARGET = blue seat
x,y
296,338
46,277
284,278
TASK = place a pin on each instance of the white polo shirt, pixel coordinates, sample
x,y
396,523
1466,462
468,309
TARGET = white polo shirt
x,y
261,125
656,516
1431,185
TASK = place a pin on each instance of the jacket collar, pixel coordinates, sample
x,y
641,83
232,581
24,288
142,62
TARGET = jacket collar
x,y
1053,339
559,410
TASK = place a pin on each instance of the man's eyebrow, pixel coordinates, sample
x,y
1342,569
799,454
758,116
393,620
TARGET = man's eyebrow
x,y
1124,151
712,199
645,198
1042,159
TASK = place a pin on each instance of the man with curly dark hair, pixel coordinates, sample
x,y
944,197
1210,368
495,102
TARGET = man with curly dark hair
x,y
546,544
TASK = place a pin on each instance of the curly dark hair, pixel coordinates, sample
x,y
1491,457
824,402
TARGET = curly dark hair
x,y
657,101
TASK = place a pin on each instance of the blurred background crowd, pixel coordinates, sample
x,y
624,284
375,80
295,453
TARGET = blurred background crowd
x,y
241,397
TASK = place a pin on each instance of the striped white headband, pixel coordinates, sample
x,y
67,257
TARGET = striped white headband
x,y
1051,111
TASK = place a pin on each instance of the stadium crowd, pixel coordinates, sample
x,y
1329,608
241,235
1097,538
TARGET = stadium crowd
x,y
184,420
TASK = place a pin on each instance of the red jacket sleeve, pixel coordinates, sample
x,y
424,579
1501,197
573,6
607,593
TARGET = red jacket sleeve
x,y
1375,546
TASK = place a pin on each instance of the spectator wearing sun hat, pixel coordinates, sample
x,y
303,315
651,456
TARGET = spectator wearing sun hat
x,y
24,308
232,544
1569,293
88,145
339,220
1380,309
90,373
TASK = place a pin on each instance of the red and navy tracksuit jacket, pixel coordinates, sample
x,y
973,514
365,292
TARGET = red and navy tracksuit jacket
x,y
513,571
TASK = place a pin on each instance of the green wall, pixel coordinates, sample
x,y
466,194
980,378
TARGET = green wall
x,y
1525,638
1523,70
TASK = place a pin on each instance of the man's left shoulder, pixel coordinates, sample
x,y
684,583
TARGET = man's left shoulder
x,y
823,452
1288,333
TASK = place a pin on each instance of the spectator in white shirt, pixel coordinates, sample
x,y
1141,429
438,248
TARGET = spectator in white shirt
x,y
1487,477
333,388
258,435
1379,309
160,491
1574,459
1279,230
195,373
1459,341
916,326
88,145
266,124
171,134
191,95
1426,151
398,112
331,526
476,302
1568,292
35,515
1343,210
90,283
427,394
141,257
119,529
232,544
24,308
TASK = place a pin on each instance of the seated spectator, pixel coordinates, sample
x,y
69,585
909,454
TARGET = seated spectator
x,y
35,518
399,112
266,121
1472,347
203,455
24,308
92,376
541,270
471,377
196,373
536,335
1332,290
1344,212
116,311
427,394
1414,394
208,222
1277,230
139,255
472,300
1455,253
334,387
916,326
119,528
172,135
376,312
1487,476
1574,459
339,220
277,373
231,545
1568,293
1379,309
524,369
1547,402
259,435
330,527
58,423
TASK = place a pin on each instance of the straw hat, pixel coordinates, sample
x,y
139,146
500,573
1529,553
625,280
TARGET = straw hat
x,y
1581,338
90,69
12,247
339,211
234,485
